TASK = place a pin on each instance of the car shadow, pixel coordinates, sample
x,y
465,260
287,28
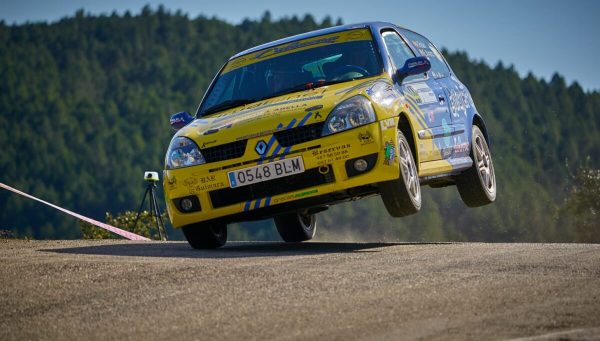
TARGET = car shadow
x,y
230,250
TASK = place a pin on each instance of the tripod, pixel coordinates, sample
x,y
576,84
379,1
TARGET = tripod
x,y
154,210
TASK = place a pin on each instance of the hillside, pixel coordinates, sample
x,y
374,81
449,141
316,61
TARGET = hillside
x,y
85,102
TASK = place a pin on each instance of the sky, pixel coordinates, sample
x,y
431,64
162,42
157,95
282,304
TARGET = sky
x,y
542,37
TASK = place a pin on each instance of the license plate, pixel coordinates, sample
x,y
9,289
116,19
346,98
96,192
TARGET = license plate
x,y
268,171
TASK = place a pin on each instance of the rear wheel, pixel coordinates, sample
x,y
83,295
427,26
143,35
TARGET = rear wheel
x,y
296,227
477,185
206,235
402,196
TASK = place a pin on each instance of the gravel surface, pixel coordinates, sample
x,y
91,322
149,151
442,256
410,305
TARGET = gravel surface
x,y
103,290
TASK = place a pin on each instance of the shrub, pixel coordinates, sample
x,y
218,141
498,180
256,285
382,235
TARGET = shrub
x,y
582,205
146,226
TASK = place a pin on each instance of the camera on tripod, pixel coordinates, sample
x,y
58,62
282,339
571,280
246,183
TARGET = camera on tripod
x,y
151,176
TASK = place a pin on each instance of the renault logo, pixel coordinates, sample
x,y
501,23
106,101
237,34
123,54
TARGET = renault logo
x,y
261,147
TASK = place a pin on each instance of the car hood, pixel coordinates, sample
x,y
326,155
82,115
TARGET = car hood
x,y
268,116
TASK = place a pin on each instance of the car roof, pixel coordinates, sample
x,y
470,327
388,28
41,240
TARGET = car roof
x,y
373,25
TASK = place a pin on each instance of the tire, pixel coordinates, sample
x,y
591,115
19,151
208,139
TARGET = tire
x,y
206,235
402,196
296,227
477,185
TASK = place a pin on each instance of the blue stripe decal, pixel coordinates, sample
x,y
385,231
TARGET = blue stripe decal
x,y
247,207
271,141
275,152
291,124
304,119
287,149
268,202
257,205
285,152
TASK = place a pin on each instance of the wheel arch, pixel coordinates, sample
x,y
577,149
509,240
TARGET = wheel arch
x,y
478,121
406,128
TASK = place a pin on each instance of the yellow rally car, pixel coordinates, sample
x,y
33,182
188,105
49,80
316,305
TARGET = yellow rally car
x,y
289,127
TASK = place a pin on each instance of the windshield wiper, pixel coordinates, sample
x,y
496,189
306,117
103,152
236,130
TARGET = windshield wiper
x,y
227,105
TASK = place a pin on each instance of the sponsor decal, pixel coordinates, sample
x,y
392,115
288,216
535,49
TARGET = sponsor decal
x,y
294,46
389,151
421,92
460,101
299,45
365,138
296,195
461,148
436,74
331,154
206,187
416,64
199,184
207,143
388,123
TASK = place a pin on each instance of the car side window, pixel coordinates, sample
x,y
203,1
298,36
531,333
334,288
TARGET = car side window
x,y
399,51
439,68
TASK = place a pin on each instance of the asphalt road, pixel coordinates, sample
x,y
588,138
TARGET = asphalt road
x,y
315,291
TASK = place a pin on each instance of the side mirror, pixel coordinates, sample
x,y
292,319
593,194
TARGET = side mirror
x,y
413,66
180,120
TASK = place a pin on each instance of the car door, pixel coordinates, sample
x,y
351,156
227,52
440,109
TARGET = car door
x,y
426,98
448,126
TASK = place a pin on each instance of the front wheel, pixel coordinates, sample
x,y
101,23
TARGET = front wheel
x,y
477,185
206,235
296,227
402,196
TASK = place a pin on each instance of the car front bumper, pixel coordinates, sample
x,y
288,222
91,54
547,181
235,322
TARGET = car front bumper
x,y
329,170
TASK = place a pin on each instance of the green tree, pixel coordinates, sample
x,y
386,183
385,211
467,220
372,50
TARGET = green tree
x,y
582,206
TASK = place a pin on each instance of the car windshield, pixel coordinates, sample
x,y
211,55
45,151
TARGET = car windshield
x,y
295,66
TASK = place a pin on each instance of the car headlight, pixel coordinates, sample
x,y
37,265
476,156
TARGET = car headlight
x,y
183,152
351,113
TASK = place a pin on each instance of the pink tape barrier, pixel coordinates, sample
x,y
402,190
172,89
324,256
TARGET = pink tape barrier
x,y
123,233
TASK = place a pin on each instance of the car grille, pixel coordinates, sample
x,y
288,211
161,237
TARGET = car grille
x,y
225,151
294,136
229,196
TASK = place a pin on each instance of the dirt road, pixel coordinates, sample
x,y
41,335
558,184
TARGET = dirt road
x,y
256,291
